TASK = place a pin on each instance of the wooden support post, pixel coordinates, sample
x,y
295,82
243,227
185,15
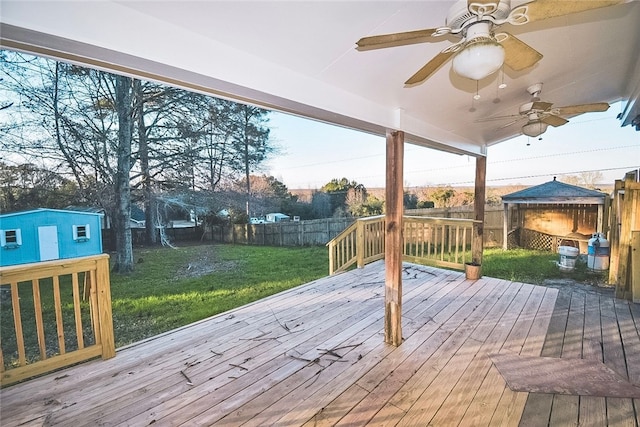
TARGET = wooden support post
x,y
477,241
393,238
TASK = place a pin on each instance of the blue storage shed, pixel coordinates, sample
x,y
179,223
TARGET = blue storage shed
x,y
47,234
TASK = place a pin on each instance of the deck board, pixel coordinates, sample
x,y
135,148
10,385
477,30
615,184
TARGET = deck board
x,y
315,356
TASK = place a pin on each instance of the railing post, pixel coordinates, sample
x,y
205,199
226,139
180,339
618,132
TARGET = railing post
x,y
332,250
105,318
360,247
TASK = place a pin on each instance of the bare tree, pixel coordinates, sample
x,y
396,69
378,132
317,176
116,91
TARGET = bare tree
x,y
251,141
122,220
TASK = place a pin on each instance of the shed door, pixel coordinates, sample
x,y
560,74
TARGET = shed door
x,y
48,242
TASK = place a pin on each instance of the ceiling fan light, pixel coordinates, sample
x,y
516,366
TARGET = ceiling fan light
x,y
534,129
479,59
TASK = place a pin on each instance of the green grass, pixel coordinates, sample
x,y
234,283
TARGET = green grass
x,y
529,266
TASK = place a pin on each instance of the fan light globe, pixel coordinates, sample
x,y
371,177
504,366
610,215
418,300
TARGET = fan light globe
x,y
479,59
534,129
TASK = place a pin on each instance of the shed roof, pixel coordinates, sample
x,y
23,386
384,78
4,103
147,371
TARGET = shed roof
x,y
31,211
88,209
556,192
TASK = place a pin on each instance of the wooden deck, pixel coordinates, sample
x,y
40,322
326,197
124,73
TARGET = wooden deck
x,y
314,356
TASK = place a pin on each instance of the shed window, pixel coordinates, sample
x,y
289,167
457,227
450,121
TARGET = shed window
x,y
81,233
10,238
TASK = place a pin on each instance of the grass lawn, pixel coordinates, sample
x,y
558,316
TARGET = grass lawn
x,y
529,266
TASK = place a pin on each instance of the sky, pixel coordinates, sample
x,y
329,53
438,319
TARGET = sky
x,y
313,153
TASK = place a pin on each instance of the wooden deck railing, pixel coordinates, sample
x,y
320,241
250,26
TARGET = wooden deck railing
x,y
48,321
444,242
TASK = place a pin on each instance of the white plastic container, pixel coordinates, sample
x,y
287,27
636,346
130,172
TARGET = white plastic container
x,y
568,256
598,253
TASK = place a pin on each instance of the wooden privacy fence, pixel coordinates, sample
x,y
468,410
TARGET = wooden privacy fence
x,y
54,314
444,242
287,233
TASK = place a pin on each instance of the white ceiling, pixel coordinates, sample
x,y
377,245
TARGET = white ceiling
x,y
300,57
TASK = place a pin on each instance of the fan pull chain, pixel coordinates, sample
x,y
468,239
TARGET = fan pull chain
x,y
502,84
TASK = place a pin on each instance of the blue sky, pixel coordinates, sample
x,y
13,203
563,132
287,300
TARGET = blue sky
x,y
313,153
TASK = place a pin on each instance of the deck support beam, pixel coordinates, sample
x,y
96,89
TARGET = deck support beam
x,y
393,238
478,209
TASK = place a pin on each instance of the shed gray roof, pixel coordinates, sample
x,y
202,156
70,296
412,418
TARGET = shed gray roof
x,y
30,211
556,192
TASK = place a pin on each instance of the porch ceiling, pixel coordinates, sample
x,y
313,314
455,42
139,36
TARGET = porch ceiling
x,y
300,57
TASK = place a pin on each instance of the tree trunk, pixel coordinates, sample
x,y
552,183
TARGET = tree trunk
x,y
143,152
122,220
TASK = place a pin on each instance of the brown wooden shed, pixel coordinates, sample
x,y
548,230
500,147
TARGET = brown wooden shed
x,y
552,214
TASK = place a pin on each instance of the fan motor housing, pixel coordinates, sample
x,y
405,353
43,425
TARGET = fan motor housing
x,y
459,14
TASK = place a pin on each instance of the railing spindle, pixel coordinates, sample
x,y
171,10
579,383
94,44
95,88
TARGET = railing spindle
x,y
17,322
76,309
37,307
457,245
93,298
464,243
58,310
443,241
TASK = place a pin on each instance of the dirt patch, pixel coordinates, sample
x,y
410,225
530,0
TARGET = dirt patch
x,y
206,262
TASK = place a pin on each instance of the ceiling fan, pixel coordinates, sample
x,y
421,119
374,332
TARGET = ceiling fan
x,y
539,115
481,51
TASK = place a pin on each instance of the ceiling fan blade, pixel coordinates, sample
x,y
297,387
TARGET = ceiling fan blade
x,y
583,108
430,68
517,54
491,119
541,106
554,120
544,9
395,39
513,122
